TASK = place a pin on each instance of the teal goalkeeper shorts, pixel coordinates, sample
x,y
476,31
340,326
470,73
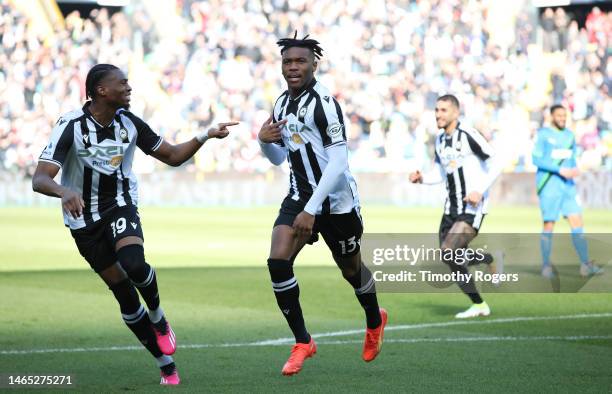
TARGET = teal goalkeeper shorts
x,y
559,201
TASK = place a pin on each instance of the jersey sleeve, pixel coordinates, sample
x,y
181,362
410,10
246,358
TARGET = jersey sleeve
x,y
147,140
329,119
479,145
62,138
540,158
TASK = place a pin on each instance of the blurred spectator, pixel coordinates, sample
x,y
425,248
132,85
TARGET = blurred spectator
x,y
385,61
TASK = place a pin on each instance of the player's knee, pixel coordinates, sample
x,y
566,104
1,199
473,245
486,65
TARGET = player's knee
x,y
132,258
280,270
350,269
113,274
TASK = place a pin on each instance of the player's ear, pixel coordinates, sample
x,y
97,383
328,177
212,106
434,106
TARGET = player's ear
x,y
314,65
100,90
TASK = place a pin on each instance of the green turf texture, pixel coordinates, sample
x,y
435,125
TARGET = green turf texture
x,y
215,290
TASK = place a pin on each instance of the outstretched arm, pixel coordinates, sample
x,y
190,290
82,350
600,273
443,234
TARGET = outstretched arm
x,y
175,155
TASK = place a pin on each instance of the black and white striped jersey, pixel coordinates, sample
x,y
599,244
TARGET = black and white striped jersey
x,y
314,122
463,157
96,161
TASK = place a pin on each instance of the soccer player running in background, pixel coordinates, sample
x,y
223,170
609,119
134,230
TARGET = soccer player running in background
x,y
307,128
555,156
94,146
463,159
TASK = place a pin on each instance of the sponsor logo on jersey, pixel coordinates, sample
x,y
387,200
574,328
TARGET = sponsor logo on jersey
x,y
101,152
334,130
294,128
296,138
116,160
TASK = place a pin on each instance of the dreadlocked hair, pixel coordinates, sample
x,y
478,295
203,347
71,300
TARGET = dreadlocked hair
x,y
95,75
313,45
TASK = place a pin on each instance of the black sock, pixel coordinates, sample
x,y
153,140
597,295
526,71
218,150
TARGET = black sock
x,y
135,316
487,258
145,280
287,293
168,369
468,287
365,290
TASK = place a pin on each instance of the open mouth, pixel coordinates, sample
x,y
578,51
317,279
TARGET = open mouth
x,y
293,78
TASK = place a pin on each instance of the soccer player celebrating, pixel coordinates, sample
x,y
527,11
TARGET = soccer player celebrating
x,y
463,159
555,156
94,146
307,128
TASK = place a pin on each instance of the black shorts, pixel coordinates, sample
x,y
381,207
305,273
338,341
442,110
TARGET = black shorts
x,y
448,220
341,232
96,242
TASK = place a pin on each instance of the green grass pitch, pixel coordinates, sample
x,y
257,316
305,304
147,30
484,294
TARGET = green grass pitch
x,y
216,292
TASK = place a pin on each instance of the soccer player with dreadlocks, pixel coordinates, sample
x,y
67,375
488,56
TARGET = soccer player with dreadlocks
x,y
94,146
307,127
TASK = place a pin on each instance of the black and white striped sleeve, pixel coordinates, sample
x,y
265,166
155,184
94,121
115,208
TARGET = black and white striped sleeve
x,y
329,119
147,140
62,138
479,145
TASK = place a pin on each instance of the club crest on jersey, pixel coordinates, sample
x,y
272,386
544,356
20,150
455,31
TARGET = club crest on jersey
x,y
302,112
123,134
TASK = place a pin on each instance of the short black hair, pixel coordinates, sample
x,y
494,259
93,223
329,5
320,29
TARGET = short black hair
x,y
95,75
556,107
309,43
449,98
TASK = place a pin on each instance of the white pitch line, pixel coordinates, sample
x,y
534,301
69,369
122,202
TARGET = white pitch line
x,y
443,324
284,341
481,339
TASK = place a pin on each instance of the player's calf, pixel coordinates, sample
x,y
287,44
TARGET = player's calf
x,y
365,290
287,293
143,277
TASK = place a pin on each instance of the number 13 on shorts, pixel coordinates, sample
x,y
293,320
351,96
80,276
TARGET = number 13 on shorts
x,y
348,246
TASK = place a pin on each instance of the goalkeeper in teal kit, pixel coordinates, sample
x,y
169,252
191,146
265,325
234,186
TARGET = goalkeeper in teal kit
x,y
555,156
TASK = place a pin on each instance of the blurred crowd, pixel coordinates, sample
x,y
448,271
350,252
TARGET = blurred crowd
x,y
386,62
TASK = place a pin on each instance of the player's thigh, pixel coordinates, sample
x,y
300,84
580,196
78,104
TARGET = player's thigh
x,y
550,206
342,234
459,235
94,246
572,209
285,243
124,227
445,225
